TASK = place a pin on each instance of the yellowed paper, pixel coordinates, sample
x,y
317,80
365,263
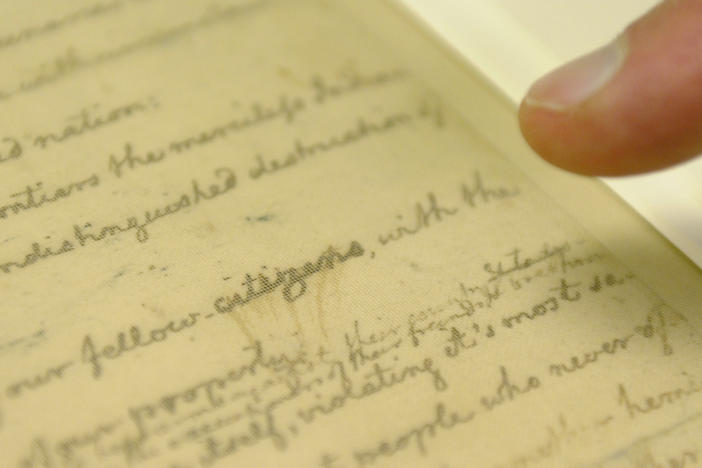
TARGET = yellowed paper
x,y
257,234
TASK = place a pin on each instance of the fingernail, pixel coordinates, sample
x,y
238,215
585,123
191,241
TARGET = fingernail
x,y
580,79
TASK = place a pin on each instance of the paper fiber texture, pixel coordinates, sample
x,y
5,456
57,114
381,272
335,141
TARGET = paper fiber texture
x,y
252,234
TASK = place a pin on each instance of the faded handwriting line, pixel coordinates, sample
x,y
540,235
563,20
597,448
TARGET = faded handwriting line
x,y
93,118
425,215
625,449
87,234
285,110
517,263
10,150
35,196
70,62
291,281
24,342
362,130
16,389
442,420
54,25
649,403
134,339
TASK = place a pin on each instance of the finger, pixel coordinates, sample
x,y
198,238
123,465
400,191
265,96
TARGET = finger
x,y
630,107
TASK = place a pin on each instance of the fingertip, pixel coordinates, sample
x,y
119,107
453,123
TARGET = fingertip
x,y
548,133
631,107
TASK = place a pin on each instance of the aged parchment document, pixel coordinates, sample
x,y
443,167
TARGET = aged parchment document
x,y
299,233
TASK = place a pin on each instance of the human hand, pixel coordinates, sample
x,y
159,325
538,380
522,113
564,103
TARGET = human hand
x,y
633,106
